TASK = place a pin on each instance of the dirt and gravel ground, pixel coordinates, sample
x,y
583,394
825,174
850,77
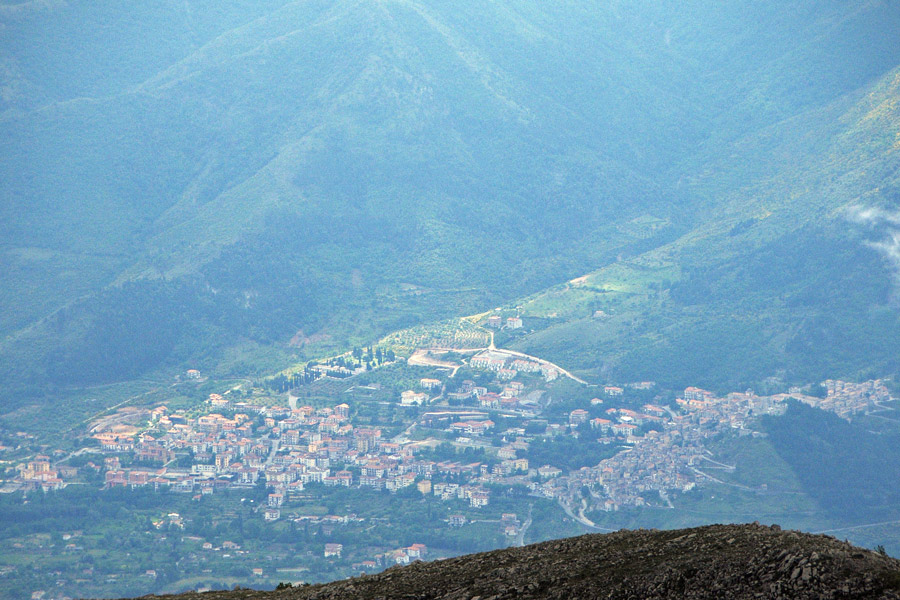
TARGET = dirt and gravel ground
x,y
718,561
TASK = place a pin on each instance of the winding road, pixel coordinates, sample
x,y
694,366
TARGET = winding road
x,y
420,357
520,537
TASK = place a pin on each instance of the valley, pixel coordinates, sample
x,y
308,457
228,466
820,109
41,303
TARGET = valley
x,y
389,454
294,290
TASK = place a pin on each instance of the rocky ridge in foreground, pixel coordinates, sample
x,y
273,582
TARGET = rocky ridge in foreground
x,y
717,561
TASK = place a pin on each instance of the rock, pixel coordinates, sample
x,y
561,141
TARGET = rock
x,y
718,561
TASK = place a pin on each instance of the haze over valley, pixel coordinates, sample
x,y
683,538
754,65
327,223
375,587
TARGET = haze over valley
x,y
298,289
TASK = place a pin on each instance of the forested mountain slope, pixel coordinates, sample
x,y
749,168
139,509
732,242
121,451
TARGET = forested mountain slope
x,y
791,274
182,178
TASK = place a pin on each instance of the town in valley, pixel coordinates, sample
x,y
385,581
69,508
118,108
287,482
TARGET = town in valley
x,y
480,438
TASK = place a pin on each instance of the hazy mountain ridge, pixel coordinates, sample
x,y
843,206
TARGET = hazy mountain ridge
x,y
502,149
780,272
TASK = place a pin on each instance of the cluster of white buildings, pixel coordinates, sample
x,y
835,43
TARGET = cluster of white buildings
x,y
671,456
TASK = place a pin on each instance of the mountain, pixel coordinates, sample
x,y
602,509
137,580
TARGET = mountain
x,y
240,188
834,460
718,561
782,278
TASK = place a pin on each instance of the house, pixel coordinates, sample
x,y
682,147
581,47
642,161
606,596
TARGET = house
x,y
457,520
398,557
488,361
409,398
472,427
479,498
494,321
416,551
291,437
489,400
506,452
157,413
509,403
114,442
203,470
624,428
578,416
333,550
509,519
549,373
271,514
526,366
339,479
368,565
695,393
372,481
548,472
602,424
401,481
506,374
429,384
513,323
218,400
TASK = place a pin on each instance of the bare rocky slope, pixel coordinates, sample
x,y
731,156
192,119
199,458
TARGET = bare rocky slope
x,y
717,561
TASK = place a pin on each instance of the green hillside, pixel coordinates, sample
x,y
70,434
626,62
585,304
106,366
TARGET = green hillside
x,y
836,460
781,280
187,183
